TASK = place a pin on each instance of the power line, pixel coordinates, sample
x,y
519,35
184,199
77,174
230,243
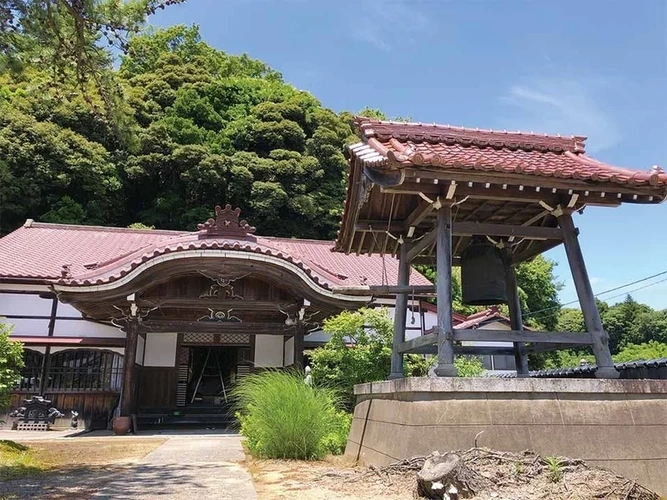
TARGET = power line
x,y
606,292
639,288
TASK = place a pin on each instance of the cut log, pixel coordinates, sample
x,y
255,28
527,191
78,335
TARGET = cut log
x,y
448,477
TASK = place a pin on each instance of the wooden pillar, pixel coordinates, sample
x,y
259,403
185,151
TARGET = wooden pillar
x,y
129,371
516,319
445,366
400,312
46,364
589,308
298,346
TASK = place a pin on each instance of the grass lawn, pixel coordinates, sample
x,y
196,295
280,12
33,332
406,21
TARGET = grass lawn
x,y
17,460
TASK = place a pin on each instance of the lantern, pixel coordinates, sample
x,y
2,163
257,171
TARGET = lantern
x,y
482,274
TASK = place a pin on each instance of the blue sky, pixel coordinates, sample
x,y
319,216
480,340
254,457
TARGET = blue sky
x,y
595,67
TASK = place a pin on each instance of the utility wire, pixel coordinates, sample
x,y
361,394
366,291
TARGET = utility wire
x,y
606,292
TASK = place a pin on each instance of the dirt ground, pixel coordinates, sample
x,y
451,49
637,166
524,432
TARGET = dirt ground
x,y
72,453
325,480
502,476
73,469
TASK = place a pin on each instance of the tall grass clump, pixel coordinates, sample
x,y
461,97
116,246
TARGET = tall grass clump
x,y
283,417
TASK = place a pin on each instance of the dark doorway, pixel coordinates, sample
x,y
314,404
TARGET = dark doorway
x,y
213,370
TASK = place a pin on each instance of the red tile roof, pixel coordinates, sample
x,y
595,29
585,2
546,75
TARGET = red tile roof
x,y
447,147
98,255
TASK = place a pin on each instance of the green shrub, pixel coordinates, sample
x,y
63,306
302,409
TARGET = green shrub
x,y
11,362
282,417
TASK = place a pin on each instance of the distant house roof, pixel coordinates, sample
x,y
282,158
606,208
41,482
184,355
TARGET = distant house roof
x,y
83,255
490,315
652,368
447,147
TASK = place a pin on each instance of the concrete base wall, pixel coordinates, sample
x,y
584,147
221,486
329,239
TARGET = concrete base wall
x,y
616,424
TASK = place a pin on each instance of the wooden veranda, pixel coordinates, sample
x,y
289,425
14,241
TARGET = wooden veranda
x,y
422,192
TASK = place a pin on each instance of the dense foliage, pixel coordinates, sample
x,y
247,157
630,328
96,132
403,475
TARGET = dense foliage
x,y
195,127
11,362
636,332
283,417
359,351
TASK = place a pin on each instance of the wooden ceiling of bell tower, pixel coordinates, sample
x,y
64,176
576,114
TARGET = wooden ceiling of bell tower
x,y
505,185
391,213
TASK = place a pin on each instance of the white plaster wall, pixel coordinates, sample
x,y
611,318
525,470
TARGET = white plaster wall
x,y
289,352
28,327
160,349
268,351
68,322
24,304
141,344
85,328
67,311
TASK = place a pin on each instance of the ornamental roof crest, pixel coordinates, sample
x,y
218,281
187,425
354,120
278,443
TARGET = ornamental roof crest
x,y
226,224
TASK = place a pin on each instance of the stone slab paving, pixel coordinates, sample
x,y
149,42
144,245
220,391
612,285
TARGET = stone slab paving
x,y
190,465
187,467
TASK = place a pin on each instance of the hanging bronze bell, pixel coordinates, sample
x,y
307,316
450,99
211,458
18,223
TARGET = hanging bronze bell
x,y
482,274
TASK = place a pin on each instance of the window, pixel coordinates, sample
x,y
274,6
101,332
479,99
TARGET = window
x,y
85,370
31,372
73,370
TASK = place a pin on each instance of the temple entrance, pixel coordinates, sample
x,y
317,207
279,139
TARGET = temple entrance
x,y
212,372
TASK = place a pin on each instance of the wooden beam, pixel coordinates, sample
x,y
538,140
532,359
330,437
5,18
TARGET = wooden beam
x,y
512,180
383,289
480,335
400,312
582,284
164,326
206,302
298,347
463,350
527,232
129,370
430,339
426,344
516,319
471,229
445,367
420,245
419,214
538,348
429,260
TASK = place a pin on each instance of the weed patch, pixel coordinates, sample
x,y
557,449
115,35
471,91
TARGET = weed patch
x,y
17,461
282,417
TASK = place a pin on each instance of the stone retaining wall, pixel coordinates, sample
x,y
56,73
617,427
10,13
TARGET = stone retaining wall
x,y
617,424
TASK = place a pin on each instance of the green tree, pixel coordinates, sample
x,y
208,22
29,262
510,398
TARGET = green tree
x,y
358,351
538,290
192,127
642,352
621,322
70,36
11,362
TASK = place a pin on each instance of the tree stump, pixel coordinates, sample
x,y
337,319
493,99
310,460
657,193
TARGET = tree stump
x,y
447,477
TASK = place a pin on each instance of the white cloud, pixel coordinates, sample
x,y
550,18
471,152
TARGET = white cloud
x,y
379,22
563,106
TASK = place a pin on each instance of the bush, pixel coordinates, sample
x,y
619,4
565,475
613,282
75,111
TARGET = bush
x,y
11,362
282,417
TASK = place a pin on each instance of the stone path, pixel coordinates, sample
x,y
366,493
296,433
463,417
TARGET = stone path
x,y
190,465
186,467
